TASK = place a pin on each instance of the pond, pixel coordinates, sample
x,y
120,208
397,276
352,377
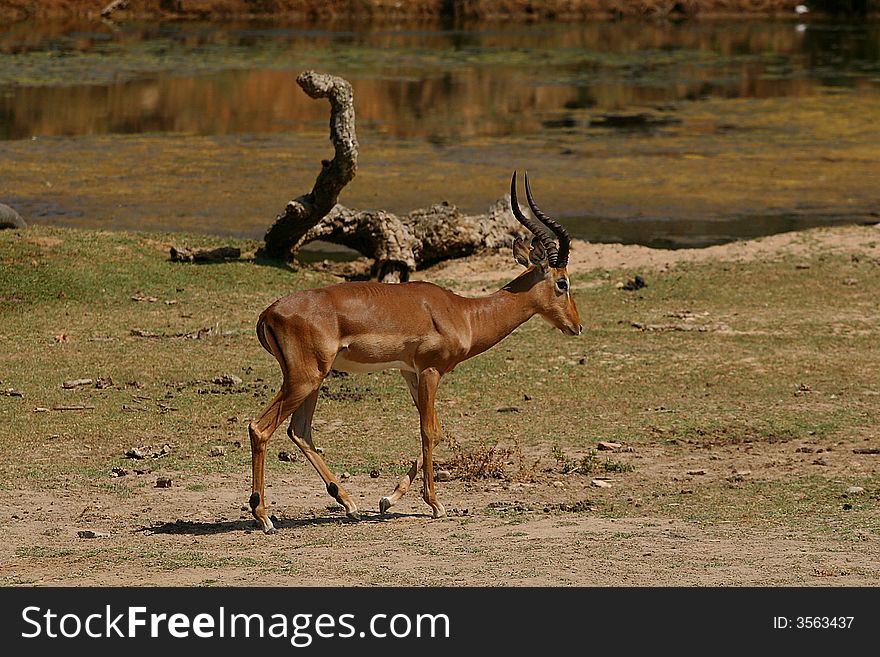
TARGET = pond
x,y
667,134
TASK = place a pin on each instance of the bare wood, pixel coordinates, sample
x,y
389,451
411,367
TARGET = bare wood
x,y
400,245
307,210
184,254
113,6
421,329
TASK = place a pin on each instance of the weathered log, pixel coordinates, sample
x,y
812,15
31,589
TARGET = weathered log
x,y
113,6
398,244
419,239
304,212
9,218
183,254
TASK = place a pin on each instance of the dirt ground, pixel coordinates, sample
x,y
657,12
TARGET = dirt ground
x,y
542,532
520,545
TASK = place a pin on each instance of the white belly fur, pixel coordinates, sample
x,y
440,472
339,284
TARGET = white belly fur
x,y
342,364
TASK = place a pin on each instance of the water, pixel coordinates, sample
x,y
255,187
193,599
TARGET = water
x,y
466,97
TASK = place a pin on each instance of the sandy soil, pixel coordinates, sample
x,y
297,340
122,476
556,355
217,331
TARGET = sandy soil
x,y
498,532
588,257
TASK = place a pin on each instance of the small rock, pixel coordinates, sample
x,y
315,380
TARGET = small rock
x,y
847,507
9,218
507,409
600,483
41,409
12,392
136,453
608,446
559,484
696,472
103,383
118,472
88,533
345,475
442,475
163,482
75,383
805,450
286,456
582,360
226,380
374,474
320,450
820,462
217,450
526,398
866,450
636,283
855,490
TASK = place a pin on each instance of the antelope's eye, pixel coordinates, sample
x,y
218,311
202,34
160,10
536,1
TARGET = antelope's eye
x,y
562,285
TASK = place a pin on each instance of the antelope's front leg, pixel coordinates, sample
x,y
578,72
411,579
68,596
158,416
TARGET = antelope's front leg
x,y
412,382
431,433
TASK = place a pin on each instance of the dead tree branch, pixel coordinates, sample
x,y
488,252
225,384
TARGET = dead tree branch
x,y
304,212
399,245
419,239
113,6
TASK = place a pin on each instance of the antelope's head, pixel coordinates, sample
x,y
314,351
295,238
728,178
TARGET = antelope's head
x,y
547,264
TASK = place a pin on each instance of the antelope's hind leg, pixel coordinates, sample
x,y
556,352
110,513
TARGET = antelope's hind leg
x,y
300,432
288,399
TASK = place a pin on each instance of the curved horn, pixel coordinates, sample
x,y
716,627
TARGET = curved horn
x,y
556,227
538,229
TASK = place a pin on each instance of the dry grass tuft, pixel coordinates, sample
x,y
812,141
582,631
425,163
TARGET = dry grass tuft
x,y
489,462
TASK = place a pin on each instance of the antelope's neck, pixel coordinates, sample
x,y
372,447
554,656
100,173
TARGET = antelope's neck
x,y
495,317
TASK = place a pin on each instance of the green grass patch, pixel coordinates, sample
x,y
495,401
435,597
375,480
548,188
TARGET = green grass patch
x,y
709,355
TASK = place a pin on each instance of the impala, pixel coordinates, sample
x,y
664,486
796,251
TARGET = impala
x,y
418,328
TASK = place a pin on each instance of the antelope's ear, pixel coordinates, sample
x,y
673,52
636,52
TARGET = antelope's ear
x,y
521,251
538,255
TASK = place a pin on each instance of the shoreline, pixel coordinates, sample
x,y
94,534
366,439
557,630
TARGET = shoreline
x,y
366,11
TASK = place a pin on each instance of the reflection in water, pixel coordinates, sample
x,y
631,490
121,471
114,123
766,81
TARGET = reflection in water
x,y
439,86
657,127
